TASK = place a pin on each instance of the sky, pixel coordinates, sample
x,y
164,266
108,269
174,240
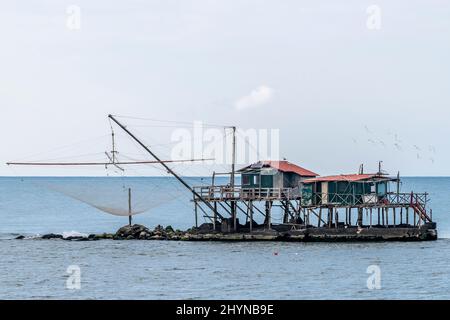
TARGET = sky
x,y
345,84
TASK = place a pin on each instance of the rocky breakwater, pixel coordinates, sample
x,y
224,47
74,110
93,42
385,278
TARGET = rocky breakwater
x,y
133,232
140,232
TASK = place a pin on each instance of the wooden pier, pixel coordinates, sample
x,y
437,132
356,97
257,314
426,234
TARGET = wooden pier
x,y
394,216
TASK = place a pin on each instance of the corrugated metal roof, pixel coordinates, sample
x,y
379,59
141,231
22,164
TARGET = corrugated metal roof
x,y
286,166
347,177
283,166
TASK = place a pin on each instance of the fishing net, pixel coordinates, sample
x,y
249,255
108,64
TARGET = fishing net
x,y
119,196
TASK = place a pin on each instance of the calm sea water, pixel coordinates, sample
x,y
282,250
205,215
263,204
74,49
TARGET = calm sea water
x,y
31,269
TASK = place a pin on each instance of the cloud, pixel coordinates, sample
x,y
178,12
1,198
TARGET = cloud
x,y
258,97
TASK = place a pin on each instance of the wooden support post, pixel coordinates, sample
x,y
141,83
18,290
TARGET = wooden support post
x,y
250,206
129,207
387,216
414,218
382,216
320,217
196,213
378,220
393,212
401,215
360,217
330,217
286,212
268,214
370,217
407,216
336,218
215,216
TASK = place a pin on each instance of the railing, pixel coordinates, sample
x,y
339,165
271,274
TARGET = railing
x,y
223,193
392,198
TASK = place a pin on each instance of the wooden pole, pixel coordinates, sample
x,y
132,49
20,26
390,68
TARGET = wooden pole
x,y
320,217
129,207
336,218
393,212
196,213
371,217
232,182
387,215
250,207
360,217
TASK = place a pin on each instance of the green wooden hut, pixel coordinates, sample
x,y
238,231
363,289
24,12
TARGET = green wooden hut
x,y
274,174
346,189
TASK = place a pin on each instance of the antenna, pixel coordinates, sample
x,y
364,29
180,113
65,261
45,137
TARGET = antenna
x,y
361,168
379,166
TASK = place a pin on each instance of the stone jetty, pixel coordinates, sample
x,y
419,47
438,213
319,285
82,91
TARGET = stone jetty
x,y
204,233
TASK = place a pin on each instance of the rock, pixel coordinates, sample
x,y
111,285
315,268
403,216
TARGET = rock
x,y
131,232
143,235
76,238
19,237
169,229
52,236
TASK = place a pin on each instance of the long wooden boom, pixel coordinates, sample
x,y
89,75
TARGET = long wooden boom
x,y
98,163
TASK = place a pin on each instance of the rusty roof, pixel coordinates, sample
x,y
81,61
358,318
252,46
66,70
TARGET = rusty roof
x,y
347,177
283,166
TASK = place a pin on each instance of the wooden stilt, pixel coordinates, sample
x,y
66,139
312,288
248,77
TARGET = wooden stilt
x,y
393,212
336,218
129,207
360,217
320,217
250,206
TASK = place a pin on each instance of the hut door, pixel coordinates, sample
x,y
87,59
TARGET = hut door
x,y
324,192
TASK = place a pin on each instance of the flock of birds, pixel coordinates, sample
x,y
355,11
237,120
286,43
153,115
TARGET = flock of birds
x,y
426,153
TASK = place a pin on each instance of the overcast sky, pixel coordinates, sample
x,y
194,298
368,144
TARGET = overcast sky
x,y
341,87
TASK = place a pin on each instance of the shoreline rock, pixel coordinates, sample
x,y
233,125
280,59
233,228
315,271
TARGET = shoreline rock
x,y
140,232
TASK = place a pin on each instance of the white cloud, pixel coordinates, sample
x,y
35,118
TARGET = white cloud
x,y
259,96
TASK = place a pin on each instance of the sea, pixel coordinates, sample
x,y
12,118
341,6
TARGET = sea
x,y
56,269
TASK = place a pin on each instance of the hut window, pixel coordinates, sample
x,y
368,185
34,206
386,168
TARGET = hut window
x,y
255,179
245,180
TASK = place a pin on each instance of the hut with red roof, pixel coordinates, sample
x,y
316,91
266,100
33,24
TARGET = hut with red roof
x,y
274,174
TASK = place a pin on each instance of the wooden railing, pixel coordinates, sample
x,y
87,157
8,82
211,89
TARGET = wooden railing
x,y
223,193
392,198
